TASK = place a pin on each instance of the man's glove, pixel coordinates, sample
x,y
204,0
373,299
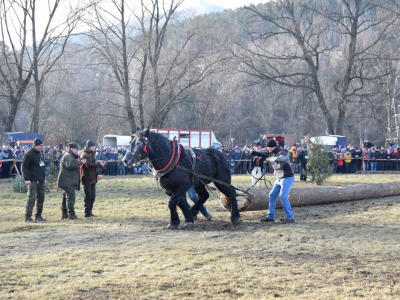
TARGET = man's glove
x,y
271,159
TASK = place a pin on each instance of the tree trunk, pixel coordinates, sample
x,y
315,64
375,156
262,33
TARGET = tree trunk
x,y
314,195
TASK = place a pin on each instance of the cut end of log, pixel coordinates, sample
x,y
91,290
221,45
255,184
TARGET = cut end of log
x,y
243,201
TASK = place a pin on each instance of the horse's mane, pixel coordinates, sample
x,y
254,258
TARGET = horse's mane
x,y
157,141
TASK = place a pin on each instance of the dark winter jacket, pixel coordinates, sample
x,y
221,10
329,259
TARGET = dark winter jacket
x,y
69,175
33,166
303,158
89,169
257,161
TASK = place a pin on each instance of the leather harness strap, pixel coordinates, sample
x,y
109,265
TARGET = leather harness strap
x,y
173,162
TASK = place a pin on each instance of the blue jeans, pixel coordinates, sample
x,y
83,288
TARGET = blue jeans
x,y
373,165
281,188
194,198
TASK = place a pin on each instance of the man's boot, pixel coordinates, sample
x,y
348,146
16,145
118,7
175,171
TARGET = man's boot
x,y
64,215
72,216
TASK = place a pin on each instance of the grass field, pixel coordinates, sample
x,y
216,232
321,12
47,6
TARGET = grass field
x,y
338,251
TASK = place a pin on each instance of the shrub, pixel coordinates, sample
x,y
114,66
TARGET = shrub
x,y
19,185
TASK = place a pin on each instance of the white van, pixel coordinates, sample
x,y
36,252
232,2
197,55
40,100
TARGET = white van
x,y
113,140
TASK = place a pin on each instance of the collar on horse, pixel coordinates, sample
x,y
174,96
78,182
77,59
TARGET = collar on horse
x,y
176,155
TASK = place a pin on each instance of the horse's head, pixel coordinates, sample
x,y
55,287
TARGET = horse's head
x,y
137,148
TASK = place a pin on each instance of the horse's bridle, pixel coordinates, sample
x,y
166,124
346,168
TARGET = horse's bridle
x,y
141,140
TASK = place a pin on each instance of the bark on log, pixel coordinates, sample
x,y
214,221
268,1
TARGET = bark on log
x,y
257,199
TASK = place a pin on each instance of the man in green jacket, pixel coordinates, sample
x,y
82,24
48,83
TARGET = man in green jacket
x,y
34,173
69,180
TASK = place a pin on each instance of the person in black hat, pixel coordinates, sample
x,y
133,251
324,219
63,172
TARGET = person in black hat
x,y
34,173
283,172
89,176
69,180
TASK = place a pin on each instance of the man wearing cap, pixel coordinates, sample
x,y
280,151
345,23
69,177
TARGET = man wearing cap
x,y
283,172
89,176
34,173
69,180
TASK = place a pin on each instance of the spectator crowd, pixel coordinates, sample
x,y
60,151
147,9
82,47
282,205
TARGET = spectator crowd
x,y
112,156
344,160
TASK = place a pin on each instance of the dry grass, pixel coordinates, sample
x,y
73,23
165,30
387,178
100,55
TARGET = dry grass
x,y
337,251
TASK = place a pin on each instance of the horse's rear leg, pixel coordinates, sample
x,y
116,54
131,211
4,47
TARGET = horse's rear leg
x,y
185,207
231,194
203,195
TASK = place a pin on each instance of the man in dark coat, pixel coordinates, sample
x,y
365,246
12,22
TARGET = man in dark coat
x,y
34,173
89,176
303,157
69,179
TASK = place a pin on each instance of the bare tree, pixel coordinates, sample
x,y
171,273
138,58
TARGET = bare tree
x,y
114,38
34,48
289,49
366,26
297,37
178,60
14,77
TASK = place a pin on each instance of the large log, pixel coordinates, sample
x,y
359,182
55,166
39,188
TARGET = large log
x,y
257,199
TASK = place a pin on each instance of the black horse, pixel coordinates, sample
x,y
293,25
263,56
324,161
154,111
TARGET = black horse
x,y
178,169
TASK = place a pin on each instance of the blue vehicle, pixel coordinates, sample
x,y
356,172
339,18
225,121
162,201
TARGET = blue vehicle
x,y
21,138
330,140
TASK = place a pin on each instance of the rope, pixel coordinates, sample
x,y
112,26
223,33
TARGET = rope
x,y
212,179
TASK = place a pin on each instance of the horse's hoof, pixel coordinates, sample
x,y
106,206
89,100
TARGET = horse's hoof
x,y
172,226
188,224
236,221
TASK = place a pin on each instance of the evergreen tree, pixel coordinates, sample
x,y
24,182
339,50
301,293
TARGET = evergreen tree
x,y
318,167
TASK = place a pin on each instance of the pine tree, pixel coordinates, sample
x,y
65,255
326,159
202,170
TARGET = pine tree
x,y
318,167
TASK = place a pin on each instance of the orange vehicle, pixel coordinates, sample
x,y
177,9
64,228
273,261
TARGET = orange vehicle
x,y
281,139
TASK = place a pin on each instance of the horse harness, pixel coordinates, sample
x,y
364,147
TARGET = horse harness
x,y
177,150
173,162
